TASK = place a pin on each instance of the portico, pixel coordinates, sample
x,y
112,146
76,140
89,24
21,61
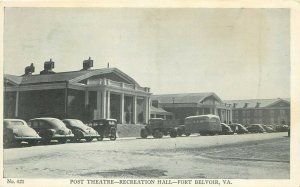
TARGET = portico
x,y
85,94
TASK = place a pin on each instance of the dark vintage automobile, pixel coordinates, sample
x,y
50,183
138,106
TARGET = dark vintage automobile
x,y
16,130
256,128
238,128
80,130
158,127
282,128
106,128
51,129
268,128
226,130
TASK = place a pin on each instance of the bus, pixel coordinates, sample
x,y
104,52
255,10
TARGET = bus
x,y
203,124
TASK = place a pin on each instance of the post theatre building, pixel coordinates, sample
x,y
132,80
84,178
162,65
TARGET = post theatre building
x,y
86,94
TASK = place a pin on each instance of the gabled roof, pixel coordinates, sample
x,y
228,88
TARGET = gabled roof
x,y
71,76
159,110
252,103
184,97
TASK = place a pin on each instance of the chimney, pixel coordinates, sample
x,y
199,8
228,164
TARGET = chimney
x,y
257,105
246,105
48,66
29,69
87,64
234,105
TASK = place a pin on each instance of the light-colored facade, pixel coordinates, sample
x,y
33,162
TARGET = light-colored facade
x,y
190,104
85,94
263,111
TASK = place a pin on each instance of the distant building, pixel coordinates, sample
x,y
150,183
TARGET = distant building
x,y
86,94
160,113
264,111
190,104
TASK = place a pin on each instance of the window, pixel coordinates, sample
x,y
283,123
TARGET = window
x,y
282,112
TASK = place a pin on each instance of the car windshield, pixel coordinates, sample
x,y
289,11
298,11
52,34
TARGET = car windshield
x,y
57,123
77,123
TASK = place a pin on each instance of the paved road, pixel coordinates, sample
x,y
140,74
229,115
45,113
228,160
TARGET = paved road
x,y
232,156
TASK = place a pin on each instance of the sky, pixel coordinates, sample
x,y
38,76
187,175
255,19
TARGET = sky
x,y
236,53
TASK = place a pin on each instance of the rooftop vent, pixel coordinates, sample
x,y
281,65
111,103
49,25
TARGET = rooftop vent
x,y
29,69
87,64
48,66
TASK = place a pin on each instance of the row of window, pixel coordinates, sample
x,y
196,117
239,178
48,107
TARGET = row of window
x,y
260,112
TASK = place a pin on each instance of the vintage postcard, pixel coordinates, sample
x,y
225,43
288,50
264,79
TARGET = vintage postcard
x,y
150,93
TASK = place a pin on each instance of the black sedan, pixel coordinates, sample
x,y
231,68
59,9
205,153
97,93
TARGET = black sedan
x,y
16,130
80,130
51,129
256,128
226,130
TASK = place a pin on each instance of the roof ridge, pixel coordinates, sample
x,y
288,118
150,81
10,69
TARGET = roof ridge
x,y
60,72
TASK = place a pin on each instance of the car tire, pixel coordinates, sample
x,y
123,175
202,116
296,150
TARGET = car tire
x,y
179,132
113,135
32,142
62,140
89,139
187,134
157,134
144,133
173,133
8,141
46,136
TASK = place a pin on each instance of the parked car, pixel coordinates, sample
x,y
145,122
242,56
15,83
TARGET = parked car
x,y
51,129
80,130
268,128
158,127
282,128
106,128
16,130
226,130
256,128
238,128
203,124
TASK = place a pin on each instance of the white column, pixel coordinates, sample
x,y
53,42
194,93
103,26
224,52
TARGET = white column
x,y
86,98
122,121
103,104
134,109
17,104
108,104
149,101
146,110
99,106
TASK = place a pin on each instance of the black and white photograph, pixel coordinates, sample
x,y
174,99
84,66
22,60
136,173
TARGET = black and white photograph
x,y
151,95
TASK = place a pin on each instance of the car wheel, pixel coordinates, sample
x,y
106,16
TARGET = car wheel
x,y
46,136
173,133
32,142
187,134
62,140
179,132
113,135
144,133
7,141
157,134
89,139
